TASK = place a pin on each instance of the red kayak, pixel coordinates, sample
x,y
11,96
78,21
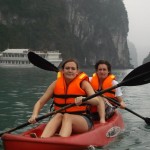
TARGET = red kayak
x,y
100,136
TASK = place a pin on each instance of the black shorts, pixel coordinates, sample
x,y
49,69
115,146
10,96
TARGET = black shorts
x,y
88,119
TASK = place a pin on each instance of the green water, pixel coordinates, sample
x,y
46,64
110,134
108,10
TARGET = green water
x,y
21,88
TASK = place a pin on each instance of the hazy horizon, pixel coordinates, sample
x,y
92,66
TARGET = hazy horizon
x,y
139,26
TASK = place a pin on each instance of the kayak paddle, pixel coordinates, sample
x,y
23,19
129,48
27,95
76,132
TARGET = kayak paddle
x,y
147,120
41,62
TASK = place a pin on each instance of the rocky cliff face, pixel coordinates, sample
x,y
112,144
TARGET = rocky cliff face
x,y
133,54
87,30
101,27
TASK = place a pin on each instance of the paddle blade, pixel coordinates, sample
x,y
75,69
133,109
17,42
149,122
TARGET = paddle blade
x,y
147,120
41,62
139,76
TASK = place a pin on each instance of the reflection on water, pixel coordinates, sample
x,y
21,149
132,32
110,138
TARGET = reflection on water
x,y
21,88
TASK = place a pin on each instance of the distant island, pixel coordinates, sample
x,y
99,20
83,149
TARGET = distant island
x,y
147,59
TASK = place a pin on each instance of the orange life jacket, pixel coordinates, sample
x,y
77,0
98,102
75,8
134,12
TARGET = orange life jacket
x,y
107,83
64,95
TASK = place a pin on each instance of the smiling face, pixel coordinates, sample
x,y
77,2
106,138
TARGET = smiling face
x,y
102,71
70,71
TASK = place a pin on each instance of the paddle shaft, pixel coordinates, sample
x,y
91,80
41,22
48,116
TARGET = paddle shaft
x,y
146,119
117,103
38,119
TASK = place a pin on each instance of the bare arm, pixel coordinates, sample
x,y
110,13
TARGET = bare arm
x,y
118,95
95,101
122,103
41,102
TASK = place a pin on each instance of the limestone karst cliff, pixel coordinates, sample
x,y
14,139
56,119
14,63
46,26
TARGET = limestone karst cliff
x,y
87,30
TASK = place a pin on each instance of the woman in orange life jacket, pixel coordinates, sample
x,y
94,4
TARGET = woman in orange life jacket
x,y
70,87
101,80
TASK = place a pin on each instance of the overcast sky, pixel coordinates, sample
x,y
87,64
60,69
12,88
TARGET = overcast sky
x,y
139,26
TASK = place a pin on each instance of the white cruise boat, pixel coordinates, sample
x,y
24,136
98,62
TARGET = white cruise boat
x,y
19,58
